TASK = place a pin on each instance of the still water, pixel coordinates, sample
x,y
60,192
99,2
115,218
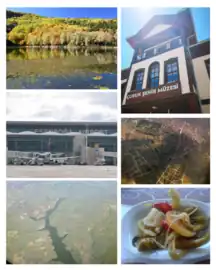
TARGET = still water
x,y
43,68
62,222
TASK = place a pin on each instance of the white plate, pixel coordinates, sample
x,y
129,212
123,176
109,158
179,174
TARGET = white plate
x,y
129,230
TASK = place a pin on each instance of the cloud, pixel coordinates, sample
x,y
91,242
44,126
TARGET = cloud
x,y
104,99
64,106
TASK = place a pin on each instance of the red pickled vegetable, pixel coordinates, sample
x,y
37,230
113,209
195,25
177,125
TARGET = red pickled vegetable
x,y
165,225
163,207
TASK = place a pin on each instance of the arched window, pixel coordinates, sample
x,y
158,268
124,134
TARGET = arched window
x,y
138,79
154,74
171,70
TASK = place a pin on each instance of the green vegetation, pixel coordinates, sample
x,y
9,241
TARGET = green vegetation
x,y
34,30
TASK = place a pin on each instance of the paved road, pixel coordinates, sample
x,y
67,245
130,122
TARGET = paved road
x,y
69,171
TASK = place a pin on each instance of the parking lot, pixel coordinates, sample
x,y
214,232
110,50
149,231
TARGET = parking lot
x,y
68,171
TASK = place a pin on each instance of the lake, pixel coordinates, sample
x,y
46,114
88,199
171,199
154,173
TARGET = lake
x,y
58,68
62,222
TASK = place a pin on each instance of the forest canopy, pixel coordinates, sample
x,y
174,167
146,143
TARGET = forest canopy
x,y
33,30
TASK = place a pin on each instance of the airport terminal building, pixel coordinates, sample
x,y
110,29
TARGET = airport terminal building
x,y
69,138
170,69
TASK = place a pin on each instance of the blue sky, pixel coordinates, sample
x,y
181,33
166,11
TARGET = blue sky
x,y
105,13
133,19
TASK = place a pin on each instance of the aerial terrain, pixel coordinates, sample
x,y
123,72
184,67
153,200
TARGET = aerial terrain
x,y
165,151
54,222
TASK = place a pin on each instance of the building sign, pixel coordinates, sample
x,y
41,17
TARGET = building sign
x,y
164,91
65,130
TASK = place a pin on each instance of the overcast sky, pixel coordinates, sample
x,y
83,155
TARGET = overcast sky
x,y
53,106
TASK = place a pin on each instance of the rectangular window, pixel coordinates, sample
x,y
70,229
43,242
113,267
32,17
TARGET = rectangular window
x,y
171,71
155,51
207,64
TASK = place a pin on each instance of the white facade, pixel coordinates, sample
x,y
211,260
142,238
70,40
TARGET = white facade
x,y
161,58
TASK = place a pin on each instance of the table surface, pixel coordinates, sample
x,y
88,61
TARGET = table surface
x,y
132,196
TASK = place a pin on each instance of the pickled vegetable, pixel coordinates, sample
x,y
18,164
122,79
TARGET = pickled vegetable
x,y
171,227
165,225
199,227
154,218
200,219
178,226
190,210
144,244
183,243
175,198
145,231
163,207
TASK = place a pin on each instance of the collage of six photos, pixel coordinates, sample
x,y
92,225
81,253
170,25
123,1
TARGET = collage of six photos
x,y
63,135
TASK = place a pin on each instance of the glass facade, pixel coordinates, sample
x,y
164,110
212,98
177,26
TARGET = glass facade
x,y
56,144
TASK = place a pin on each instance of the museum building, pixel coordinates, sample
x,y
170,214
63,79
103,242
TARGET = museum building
x,y
170,69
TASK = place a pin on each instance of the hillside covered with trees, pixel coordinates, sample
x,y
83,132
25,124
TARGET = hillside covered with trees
x,y
32,30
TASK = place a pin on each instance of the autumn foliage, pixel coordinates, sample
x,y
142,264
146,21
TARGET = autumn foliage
x,y
34,30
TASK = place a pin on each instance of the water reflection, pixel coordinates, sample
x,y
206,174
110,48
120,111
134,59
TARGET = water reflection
x,y
31,53
58,225
61,68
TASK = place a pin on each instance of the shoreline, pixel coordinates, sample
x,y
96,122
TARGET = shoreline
x,y
62,47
